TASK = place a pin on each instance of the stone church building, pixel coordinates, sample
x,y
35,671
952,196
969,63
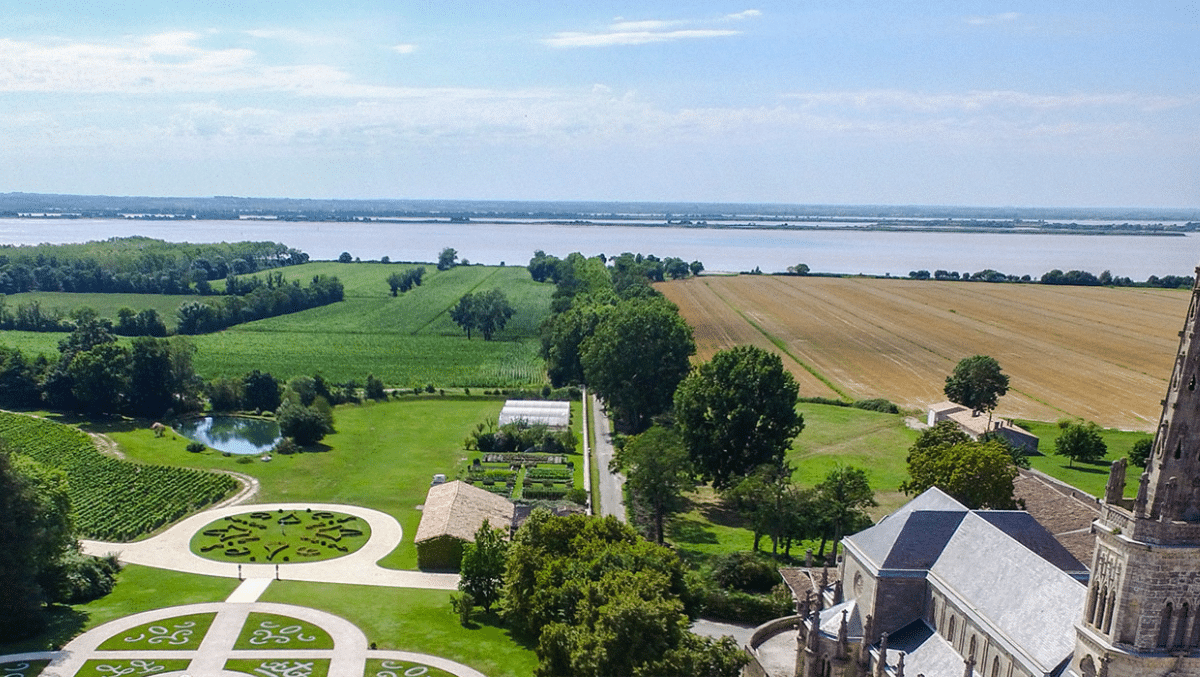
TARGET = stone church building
x,y
938,590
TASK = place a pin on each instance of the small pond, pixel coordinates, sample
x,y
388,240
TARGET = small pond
x,y
235,434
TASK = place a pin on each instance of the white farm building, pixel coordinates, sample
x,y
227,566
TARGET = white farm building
x,y
555,415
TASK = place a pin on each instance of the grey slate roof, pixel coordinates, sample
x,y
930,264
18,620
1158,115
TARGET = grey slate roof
x,y
1028,598
926,652
1023,528
894,543
831,620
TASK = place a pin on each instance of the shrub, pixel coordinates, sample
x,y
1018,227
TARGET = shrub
x,y
463,605
286,446
746,571
878,404
741,607
195,447
577,496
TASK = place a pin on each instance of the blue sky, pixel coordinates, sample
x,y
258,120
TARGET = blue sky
x,y
1049,103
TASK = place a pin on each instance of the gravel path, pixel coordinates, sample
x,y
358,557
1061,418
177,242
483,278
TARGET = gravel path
x,y
612,501
170,550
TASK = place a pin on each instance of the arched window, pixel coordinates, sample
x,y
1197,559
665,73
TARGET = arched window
x,y
1091,606
1101,607
1164,626
1181,626
971,651
950,635
1108,612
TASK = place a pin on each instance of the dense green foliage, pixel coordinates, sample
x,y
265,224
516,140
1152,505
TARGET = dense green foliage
x,y
602,601
976,383
134,265
976,474
843,498
736,412
401,282
262,301
774,506
636,358
657,473
488,312
35,532
1139,453
482,569
113,500
1080,442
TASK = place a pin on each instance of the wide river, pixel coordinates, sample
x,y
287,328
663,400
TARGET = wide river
x,y
834,251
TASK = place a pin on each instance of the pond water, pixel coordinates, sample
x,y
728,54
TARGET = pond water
x,y
235,434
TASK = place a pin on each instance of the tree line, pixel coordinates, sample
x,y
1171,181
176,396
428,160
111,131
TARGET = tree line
x,y
1079,278
135,265
262,300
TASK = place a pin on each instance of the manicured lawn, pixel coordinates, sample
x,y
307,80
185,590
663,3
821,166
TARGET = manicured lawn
x,y
414,620
1089,477
138,589
877,443
302,535
272,631
382,456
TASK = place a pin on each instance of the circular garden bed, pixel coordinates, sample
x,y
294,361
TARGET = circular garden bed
x,y
281,537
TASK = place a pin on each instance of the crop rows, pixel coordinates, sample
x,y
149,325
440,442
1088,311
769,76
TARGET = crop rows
x,y
1103,354
113,500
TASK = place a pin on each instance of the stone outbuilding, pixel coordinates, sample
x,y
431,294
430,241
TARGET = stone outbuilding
x,y
976,426
453,512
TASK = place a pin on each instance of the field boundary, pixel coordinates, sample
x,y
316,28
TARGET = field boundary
x,y
779,344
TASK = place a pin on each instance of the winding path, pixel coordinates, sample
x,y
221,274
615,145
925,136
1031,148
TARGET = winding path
x,y
171,550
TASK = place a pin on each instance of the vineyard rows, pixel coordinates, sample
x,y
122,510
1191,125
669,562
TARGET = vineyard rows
x,y
113,500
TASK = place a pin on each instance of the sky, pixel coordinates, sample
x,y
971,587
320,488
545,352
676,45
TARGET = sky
x,y
940,102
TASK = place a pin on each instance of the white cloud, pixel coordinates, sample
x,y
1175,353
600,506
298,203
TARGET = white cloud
x,y
302,38
632,37
626,32
404,48
883,99
992,19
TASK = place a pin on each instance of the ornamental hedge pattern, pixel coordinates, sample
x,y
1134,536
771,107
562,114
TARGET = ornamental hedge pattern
x,y
114,500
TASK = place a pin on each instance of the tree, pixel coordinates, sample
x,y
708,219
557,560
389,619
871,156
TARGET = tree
x,y
1080,442
843,498
260,392
696,267
307,425
658,472
1139,453
446,259
976,383
774,506
35,532
736,412
345,257
492,313
636,357
799,269
976,474
100,377
562,336
482,570
463,313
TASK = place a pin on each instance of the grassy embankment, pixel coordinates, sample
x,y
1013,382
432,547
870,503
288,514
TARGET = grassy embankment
x,y
407,340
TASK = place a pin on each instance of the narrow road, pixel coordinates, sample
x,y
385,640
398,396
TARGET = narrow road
x,y
612,501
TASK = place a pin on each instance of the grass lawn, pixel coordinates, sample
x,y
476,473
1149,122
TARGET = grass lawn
x,y
1089,477
105,305
304,535
138,589
414,620
877,443
406,341
382,456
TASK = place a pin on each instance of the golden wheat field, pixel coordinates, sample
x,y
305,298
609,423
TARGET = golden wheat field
x,y
1098,353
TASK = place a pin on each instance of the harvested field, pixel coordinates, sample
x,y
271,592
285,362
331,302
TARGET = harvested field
x,y
1103,354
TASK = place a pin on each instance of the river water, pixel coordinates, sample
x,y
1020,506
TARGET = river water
x,y
728,249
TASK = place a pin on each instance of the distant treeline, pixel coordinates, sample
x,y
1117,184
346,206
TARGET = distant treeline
x,y
625,269
135,265
1080,278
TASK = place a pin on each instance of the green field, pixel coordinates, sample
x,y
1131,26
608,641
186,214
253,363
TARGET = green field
x,y
406,341
382,456
877,443
414,620
1089,477
138,589
105,305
